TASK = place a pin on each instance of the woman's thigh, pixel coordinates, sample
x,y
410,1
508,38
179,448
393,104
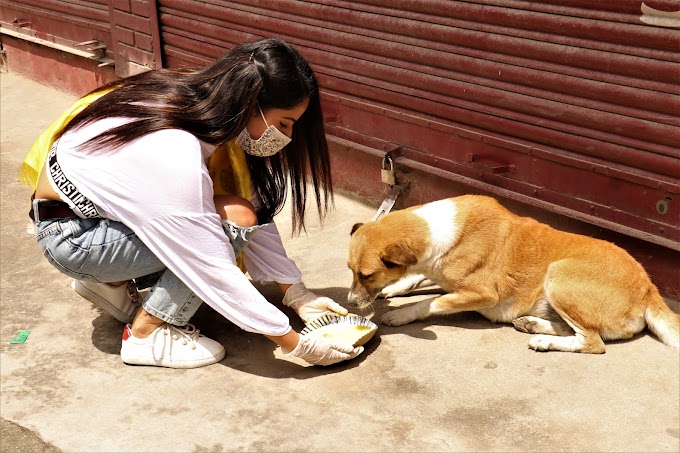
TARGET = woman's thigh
x,y
95,249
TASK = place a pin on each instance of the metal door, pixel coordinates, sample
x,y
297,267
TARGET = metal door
x,y
79,27
571,105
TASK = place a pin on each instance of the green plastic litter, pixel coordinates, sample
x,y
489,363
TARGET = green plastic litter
x,y
21,336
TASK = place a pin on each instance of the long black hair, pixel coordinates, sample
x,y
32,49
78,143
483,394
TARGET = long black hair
x,y
214,104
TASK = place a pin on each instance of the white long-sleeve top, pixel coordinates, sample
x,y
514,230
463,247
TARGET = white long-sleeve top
x,y
159,186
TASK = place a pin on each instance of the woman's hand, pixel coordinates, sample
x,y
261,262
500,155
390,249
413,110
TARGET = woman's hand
x,y
322,352
309,305
313,350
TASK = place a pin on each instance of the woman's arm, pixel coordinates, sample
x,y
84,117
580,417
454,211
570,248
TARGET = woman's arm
x,y
267,261
283,287
288,342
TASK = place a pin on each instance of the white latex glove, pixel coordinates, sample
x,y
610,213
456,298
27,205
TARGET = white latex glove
x,y
321,352
309,305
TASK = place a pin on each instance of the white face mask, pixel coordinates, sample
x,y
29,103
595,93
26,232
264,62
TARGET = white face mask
x,y
270,142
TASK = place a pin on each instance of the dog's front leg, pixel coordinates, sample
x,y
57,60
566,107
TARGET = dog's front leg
x,y
405,285
443,305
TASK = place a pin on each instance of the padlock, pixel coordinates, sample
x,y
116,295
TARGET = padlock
x,y
387,173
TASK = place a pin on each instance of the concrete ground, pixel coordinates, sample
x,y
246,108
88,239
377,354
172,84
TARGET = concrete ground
x,y
458,383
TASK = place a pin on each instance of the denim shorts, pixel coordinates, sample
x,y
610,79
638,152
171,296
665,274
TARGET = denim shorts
x,y
102,250
239,236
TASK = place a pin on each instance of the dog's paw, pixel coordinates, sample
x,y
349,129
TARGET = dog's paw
x,y
404,286
524,324
396,289
388,293
397,318
541,342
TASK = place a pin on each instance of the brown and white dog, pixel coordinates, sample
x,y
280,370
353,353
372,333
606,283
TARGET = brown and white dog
x,y
571,290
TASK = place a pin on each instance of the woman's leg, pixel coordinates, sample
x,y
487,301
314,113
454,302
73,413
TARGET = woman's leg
x,y
239,220
158,307
235,209
100,250
97,250
169,300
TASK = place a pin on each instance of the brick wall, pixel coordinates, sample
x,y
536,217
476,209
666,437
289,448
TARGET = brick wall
x,y
136,40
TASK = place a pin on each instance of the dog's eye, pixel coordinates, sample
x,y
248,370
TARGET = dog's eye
x,y
389,264
364,277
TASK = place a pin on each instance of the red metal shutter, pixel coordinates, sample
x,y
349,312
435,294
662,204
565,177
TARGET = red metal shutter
x,y
77,26
571,105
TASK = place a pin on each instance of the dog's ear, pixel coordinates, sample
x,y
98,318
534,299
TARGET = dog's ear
x,y
398,255
355,227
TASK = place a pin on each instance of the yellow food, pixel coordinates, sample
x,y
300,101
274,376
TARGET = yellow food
x,y
344,333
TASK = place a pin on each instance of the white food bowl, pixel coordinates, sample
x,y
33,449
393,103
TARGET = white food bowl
x,y
351,329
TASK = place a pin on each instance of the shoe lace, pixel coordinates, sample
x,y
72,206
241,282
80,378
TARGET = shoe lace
x,y
188,334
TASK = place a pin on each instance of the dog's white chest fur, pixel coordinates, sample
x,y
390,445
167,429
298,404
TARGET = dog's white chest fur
x,y
441,220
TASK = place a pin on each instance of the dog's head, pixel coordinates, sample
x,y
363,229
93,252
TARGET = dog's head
x,y
379,255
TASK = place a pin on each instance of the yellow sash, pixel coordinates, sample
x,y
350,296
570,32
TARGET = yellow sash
x,y
37,155
231,176
229,170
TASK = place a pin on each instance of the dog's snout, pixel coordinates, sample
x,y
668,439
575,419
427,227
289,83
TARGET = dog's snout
x,y
352,299
359,298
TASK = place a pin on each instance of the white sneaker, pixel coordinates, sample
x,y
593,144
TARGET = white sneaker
x,y
121,302
171,346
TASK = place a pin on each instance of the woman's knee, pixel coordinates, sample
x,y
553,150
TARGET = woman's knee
x,y
236,209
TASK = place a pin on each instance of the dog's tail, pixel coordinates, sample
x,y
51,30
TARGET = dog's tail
x,y
661,319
